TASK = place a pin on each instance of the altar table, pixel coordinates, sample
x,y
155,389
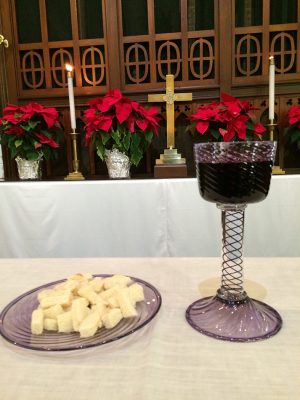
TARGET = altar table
x,y
166,360
139,218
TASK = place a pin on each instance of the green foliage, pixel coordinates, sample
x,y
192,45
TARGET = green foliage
x,y
292,135
133,144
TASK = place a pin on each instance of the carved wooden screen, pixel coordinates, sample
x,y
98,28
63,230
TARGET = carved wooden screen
x,y
163,37
263,28
54,33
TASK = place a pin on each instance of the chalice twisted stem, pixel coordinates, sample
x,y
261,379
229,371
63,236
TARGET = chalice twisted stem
x,y
233,175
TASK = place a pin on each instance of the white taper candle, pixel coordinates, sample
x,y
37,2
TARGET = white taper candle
x,y
69,68
271,87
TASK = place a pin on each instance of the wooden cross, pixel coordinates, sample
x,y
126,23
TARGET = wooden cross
x,y
170,97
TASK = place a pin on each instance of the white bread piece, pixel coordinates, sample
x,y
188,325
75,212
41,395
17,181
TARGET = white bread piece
x,y
106,294
112,302
88,293
136,292
37,324
45,293
64,322
61,297
89,325
120,280
112,318
96,284
50,324
79,311
68,285
81,277
53,312
101,309
125,304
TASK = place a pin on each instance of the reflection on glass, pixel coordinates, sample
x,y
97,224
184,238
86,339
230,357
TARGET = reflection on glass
x,y
134,17
167,16
90,21
58,20
248,12
28,21
200,15
283,11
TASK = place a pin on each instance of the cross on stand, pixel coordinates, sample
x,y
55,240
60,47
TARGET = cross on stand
x,y
170,164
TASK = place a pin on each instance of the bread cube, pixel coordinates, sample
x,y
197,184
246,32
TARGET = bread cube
x,y
37,319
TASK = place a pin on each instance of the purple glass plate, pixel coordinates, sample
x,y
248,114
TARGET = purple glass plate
x,y
15,321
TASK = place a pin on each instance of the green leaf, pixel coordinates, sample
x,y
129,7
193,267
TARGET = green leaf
x,y
117,138
47,153
32,124
32,155
148,137
136,156
18,143
105,136
126,140
216,134
100,149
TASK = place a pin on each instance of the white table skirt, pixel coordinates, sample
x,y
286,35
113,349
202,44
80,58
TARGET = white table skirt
x,y
167,360
138,218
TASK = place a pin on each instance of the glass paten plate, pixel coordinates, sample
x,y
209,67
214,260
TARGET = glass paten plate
x,y
15,321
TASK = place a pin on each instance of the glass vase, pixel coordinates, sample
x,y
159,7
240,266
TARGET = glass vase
x,y
29,170
118,164
233,175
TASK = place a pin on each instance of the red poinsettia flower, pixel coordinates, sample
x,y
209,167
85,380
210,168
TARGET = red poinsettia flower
x,y
110,99
123,110
115,121
46,140
15,130
230,119
30,131
294,116
50,115
11,109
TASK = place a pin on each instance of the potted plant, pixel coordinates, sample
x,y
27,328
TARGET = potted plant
x,y
30,132
120,130
227,120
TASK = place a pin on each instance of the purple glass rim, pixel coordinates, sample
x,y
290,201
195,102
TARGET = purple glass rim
x,y
235,152
85,346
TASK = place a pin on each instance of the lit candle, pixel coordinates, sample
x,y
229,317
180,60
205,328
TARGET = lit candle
x,y
69,68
271,87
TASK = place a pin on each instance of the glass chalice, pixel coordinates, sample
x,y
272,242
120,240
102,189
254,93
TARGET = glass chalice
x,y
232,175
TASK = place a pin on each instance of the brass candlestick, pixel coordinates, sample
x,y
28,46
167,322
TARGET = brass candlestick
x,y
276,170
76,175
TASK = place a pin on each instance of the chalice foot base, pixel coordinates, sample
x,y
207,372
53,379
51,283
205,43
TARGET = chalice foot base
x,y
242,321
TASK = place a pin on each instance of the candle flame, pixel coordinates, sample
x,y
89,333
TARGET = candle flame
x,y
271,60
69,68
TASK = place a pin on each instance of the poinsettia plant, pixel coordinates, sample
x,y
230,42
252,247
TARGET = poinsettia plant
x,y
227,120
30,131
292,132
117,122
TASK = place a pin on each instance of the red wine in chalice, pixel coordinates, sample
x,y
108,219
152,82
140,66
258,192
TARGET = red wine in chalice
x,y
236,182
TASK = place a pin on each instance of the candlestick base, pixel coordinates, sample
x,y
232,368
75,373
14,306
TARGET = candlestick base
x,y
276,170
74,176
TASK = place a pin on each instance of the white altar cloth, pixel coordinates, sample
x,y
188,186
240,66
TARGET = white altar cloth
x,y
167,360
138,218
